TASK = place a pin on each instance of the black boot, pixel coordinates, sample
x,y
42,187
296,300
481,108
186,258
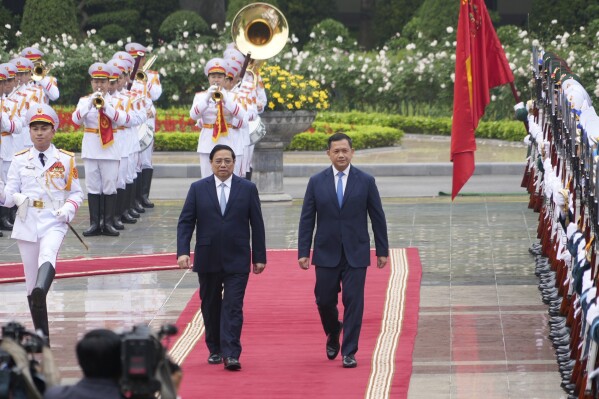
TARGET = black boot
x,y
94,216
125,216
248,175
5,223
101,217
131,204
137,203
39,311
118,209
109,209
146,183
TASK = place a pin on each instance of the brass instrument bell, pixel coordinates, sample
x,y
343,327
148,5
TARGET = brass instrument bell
x,y
39,71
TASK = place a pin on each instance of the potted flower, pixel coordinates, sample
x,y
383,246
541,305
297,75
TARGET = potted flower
x,y
292,103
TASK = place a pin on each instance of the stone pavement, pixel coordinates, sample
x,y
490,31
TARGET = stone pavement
x,y
482,326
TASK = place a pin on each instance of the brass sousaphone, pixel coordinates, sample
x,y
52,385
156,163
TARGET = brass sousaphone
x,y
260,31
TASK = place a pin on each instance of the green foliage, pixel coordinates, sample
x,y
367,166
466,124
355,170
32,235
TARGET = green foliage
x,y
112,33
176,141
552,17
362,136
68,141
330,33
123,18
174,26
432,19
235,5
153,13
40,19
6,37
303,15
390,16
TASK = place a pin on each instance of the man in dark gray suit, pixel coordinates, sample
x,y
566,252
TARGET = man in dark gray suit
x,y
222,208
340,199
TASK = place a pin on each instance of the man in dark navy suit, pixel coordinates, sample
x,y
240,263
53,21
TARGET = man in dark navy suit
x,y
340,199
222,208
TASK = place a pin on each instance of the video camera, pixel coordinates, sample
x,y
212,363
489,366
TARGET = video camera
x,y
145,370
20,374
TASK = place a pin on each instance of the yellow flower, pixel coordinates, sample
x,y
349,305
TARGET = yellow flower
x,y
271,105
290,106
276,95
283,86
298,104
267,86
289,95
280,100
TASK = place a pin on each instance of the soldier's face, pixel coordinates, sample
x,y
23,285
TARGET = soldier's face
x,y
216,79
340,154
23,77
2,86
122,81
11,83
222,164
100,85
41,135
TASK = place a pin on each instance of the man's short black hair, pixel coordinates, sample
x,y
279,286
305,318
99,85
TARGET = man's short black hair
x,y
219,147
99,354
338,137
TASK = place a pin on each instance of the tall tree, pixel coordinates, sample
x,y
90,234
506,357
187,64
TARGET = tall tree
x,y
40,19
213,11
390,17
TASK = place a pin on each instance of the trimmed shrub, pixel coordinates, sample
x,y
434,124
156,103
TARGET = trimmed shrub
x,y
40,18
174,25
112,33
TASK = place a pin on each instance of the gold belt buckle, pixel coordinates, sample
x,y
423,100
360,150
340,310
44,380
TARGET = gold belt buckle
x,y
38,203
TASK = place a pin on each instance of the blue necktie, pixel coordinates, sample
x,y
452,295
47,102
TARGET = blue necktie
x,y
340,188
223,199
43,162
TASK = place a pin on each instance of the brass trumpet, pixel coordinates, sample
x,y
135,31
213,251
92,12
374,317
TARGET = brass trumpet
x,y
98,101
39,71
217,95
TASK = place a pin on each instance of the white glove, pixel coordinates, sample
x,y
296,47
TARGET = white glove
x,y
22,203
66,213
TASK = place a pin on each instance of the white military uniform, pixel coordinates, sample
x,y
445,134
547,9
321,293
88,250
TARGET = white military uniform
x,y
48,188
101,163
10,126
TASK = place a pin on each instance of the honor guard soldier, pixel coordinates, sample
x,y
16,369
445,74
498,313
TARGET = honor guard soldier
x,y
151,88
100,156
141,105
24,97
11,126
44,184
215,108
130,104
44,86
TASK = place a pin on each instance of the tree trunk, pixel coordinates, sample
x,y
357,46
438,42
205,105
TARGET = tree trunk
x,y
213,11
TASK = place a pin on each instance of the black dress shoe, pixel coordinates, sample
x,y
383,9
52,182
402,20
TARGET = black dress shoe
x,y
215,358
349,362
232,364
333,343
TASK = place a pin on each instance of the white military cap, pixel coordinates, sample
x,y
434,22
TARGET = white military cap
x,y
215,65
135,48
99,70
23,64
42,113
32,53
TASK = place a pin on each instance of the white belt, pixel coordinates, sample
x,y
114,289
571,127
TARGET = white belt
x,y
45,204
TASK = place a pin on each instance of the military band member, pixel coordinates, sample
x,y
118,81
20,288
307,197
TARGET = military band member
x,y
215,108
24,96
11,126
44,184
100,156
152,89
45,87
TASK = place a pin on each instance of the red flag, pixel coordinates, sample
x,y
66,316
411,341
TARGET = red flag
x,y
220,125
480,65
105,126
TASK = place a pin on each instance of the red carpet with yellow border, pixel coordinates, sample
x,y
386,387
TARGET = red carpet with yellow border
x,y
284,345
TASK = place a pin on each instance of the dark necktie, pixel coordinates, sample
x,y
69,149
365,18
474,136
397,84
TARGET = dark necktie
x,y
340,188
42,159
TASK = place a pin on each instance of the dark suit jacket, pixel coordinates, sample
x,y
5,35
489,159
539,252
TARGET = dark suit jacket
x,y
345,227
89,388
222,242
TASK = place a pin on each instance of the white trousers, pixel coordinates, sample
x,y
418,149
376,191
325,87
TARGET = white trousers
x,y
248,153
145,157
35,254
122,177
4,165
132,167
101,175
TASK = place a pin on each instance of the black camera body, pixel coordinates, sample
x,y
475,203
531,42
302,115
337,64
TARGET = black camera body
x,y
13,383
144,362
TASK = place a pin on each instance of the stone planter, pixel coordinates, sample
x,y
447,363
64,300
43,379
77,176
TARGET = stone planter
x,y
281,126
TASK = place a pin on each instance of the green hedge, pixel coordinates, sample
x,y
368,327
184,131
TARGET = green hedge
x,y
503,130
164,141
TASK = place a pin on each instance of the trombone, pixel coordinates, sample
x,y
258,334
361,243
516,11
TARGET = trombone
x,y
141,75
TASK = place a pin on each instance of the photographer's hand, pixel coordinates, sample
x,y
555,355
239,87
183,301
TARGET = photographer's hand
x,y
184,262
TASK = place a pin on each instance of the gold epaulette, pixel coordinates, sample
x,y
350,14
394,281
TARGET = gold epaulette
x,y
26,150
69,153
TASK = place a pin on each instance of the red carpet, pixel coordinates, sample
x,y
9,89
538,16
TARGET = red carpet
x,y
283,342
81,267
